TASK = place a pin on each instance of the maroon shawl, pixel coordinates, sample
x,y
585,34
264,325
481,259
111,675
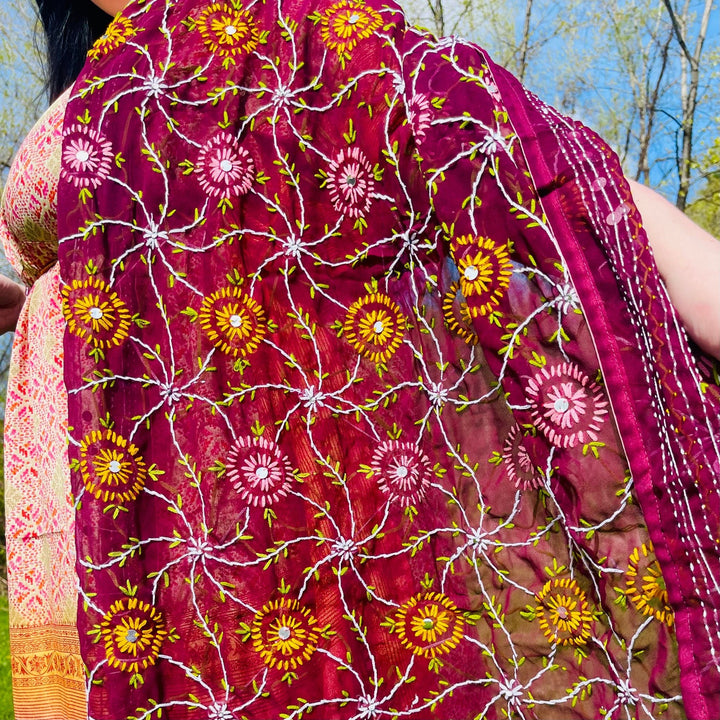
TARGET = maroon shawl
x,y
378,405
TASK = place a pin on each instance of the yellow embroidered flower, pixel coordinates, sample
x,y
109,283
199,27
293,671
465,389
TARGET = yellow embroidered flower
x,y
284,632
233,321
132,631
229,31
95,312
429,624
374,326
563,612
646,586
457,315
485,271
347,22
118,33
110,467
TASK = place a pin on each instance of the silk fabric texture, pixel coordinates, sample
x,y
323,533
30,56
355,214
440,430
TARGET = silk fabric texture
x,y
378,405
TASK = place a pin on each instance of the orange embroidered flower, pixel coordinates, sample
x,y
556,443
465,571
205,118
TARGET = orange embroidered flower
x,y
457,315
284,632
229,31
646,586
485,271
95,312
347,22
133,632
374,326
429,624
118,33
563,612
110,467
233,321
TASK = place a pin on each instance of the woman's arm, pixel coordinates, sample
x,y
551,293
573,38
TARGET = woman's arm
x,y
12,298
689,261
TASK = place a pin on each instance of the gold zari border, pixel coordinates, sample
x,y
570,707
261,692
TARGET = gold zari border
x,y
48,674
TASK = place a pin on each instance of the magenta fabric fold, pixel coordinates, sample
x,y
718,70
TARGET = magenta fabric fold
x,y
663,396
378,406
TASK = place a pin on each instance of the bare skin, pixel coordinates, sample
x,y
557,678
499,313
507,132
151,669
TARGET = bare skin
x,y
12,299
111,7
689,261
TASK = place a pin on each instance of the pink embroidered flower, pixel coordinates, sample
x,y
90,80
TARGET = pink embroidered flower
x,y
566,406
225,168
259,471
351,182
87,157
403,471
518,463
419,115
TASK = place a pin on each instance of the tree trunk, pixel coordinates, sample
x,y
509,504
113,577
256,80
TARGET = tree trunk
x,y
690,86
525,41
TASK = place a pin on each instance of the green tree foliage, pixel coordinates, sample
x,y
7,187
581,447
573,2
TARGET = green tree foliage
x,y
21,95
705,208
643,73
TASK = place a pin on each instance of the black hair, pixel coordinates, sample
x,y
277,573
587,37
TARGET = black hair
x,y
71,27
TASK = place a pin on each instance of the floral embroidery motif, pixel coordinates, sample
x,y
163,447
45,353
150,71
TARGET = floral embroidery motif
x,y
646,585
351,182
111,468
87,157
519,464
118,33
403,471
220,711
566,406
429,624
347,22
374,326
259,471
285,633
419,115
563,612
95,313
234,322
457,315
133,632
224,168
228,31
335,322
566,299
485,271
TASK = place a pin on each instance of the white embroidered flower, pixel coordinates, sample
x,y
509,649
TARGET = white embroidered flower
x,y
367,708
511,691
626,693
219,711
566,299
312,398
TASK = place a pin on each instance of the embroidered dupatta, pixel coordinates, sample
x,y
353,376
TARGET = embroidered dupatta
x,y
378,406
